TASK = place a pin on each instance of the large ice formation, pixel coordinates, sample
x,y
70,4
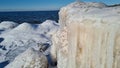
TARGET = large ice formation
x,y
89,36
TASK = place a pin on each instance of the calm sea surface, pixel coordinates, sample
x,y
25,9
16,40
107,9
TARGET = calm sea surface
x,y
29,16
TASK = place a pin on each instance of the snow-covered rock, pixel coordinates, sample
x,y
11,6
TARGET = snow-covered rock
x,y
89,36
29,59
48,27
25,35
24,27
7,25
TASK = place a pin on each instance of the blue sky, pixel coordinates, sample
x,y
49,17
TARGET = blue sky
x,y
24,5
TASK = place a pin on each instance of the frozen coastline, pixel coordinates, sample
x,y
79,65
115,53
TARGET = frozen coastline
x,y
87,36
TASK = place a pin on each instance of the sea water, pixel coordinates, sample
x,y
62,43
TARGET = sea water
x,y
29,16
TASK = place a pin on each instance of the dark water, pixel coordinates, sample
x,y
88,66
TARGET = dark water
x,y
3,64
29,16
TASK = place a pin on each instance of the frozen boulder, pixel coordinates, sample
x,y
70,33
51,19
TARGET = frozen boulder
x,y
29,59
49,27
7,25
24,27
89,36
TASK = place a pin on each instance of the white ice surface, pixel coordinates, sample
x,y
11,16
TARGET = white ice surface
x,y
18,38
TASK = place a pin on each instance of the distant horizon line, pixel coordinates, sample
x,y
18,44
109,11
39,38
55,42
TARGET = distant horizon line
x,y
27,10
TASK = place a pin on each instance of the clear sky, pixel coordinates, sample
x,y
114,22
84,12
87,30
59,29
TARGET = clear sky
x,y
24,5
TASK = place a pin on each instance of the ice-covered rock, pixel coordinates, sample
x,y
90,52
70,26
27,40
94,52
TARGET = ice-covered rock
x,y
48,27
25,35
24,27
7,25
29,59
89,36
59,49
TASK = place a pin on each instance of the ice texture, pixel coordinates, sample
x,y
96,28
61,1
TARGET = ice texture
x,y
29,59
17,38
89,36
